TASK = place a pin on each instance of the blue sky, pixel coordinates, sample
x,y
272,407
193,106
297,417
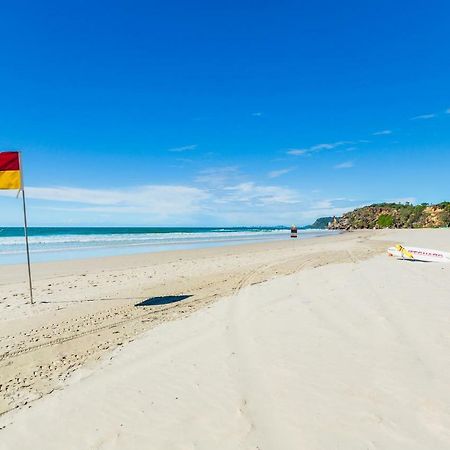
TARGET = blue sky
x,y
223,113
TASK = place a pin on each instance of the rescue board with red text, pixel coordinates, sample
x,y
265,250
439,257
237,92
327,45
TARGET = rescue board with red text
x,y
419,254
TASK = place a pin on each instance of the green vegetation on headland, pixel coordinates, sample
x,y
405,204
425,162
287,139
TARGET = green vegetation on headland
x,y
394,215
319,224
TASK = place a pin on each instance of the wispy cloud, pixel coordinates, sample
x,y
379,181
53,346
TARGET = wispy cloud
x,y
257,114
245,202
161,202
316,148
330,203
280,172
328,146
183,148
344,165
297,151
218,176
250,192
382,133
330,207
448,111
424,117
241,203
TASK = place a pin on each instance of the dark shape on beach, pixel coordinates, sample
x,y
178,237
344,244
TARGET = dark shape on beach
x,y
293,231
165,300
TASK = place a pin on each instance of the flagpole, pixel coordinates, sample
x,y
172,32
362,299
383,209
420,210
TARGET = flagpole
x,y
26,230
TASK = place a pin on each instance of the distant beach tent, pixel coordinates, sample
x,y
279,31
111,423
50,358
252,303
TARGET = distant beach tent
x,y
293,231
11,178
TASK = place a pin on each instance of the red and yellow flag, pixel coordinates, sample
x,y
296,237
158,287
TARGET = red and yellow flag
x,y
10,177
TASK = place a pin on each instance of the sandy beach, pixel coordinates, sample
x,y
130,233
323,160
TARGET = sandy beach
x,y
234,221
320,344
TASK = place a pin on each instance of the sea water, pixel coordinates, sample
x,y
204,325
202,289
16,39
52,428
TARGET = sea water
x,y
50,244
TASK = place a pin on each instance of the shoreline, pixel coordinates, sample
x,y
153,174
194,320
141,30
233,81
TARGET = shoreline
x,y
109,250
43,268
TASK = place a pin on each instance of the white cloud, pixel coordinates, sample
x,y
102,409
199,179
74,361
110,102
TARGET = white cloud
x,y
328,146
160,200
316,148
233,203
297,151
329,207
280,172
257,114
424,117
9,193
345,165
382,133
218,176
322,204
448,111
250,192
224,196
183,148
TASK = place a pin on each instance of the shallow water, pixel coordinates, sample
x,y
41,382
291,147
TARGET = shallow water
x,y
51,244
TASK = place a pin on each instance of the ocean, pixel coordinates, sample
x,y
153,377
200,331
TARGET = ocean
x,y
51,243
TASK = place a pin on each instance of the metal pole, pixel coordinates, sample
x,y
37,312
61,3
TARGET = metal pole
x,y
26,232
26,243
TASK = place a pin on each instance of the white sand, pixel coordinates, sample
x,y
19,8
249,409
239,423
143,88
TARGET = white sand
x,y
84,309
344,356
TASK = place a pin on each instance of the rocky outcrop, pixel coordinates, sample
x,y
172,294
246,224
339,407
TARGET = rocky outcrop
x,y
394,215
320,224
